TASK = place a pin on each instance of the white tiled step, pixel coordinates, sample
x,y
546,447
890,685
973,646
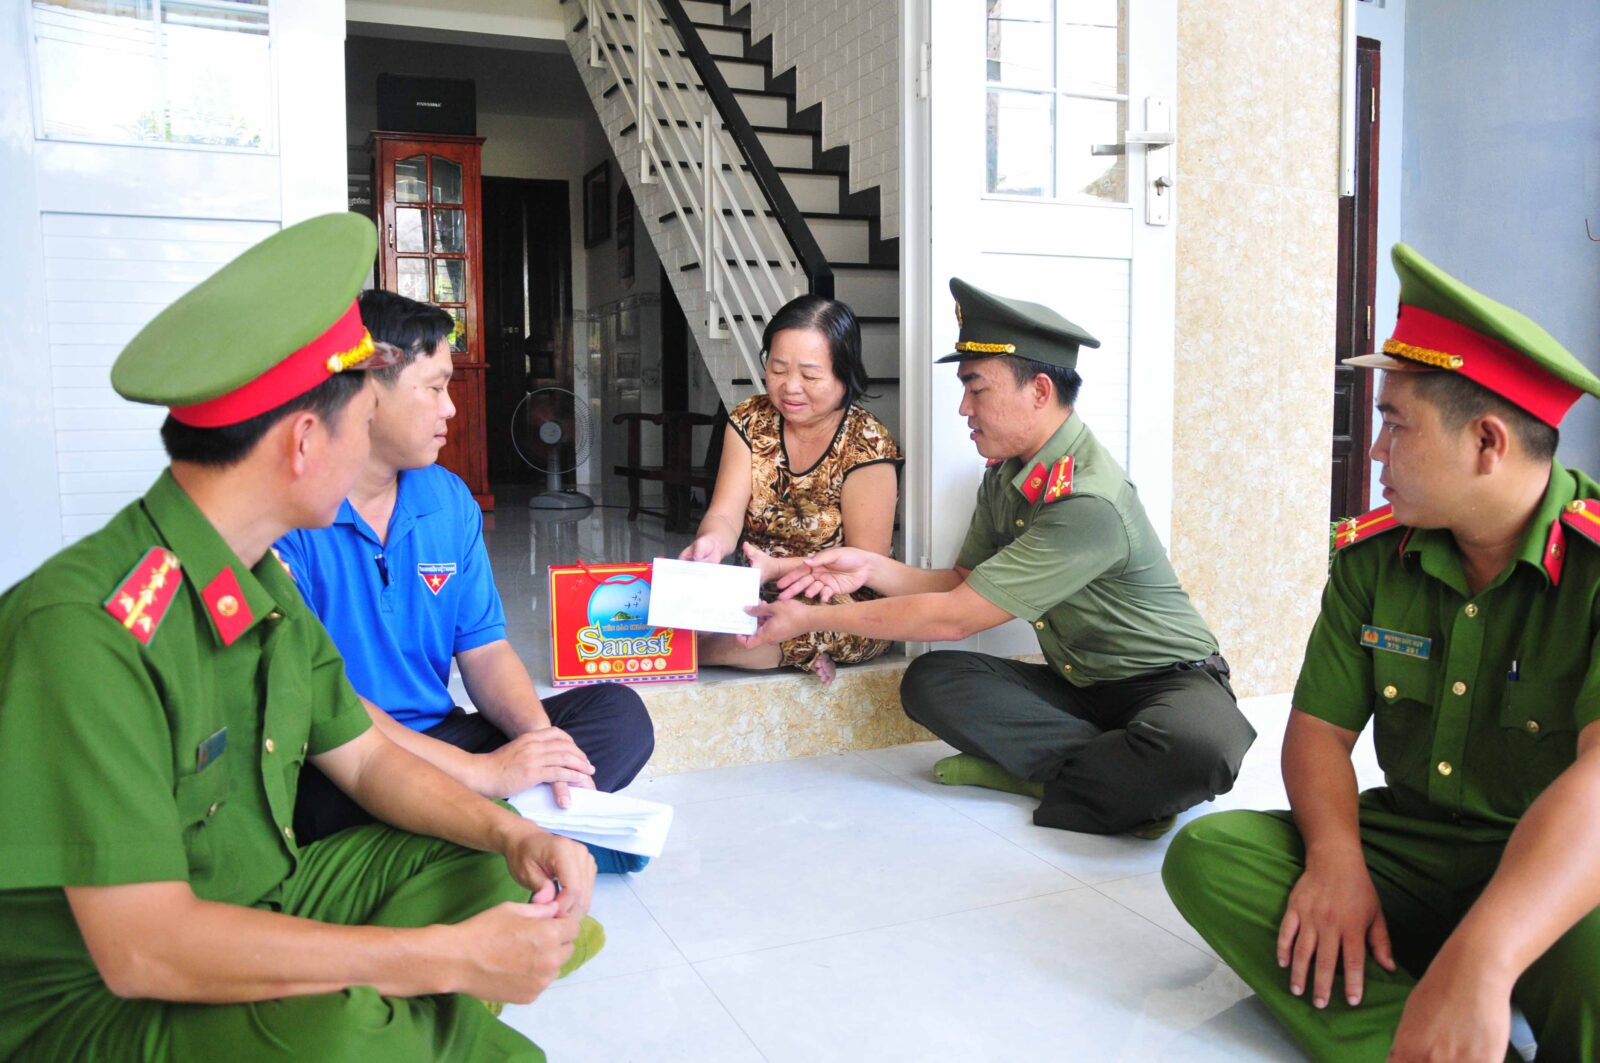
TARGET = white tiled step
x,y
698,11
841,239
813,191
742,75
880,348
788,149
763,110
723,42
869,292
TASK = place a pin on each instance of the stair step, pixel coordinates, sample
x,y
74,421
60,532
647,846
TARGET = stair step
x,y
842,239
721,41
880,348
868,290
763,108
742,74
789,149
818,192
706,14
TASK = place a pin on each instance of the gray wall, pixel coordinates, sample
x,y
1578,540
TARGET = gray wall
x,y
1501,165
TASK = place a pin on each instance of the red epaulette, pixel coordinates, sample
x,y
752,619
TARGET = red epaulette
x,y
1060,480
1582,515
140,602
1352,531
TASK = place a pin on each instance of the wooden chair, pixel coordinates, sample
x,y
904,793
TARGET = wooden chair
x,y
678,473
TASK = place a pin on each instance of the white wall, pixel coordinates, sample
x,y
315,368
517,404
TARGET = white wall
x,y
846,56
1502,165
69,322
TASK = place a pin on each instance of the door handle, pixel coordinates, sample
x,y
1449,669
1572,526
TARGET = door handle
x,y
1148,139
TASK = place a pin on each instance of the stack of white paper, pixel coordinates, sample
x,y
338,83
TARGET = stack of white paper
x,y
611,821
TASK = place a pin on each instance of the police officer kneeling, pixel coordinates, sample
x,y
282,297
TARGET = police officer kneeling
x,y
1131,719
1462,621
162,685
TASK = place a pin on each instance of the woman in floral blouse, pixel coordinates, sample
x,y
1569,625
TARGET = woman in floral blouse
x,y
804,467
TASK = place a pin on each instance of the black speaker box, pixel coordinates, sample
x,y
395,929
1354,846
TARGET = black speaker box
x,y
408,104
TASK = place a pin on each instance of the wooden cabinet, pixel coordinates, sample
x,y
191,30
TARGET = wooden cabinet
x,y
427,194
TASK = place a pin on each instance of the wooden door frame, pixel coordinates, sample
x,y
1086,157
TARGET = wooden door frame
x,y
1357,279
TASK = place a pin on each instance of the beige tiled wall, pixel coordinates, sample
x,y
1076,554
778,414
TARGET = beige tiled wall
x,y
1258,136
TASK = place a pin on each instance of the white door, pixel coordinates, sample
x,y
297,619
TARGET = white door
x,y
1048,177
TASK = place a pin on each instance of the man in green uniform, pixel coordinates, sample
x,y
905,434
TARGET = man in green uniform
x,y
161,686
1130,719
1461,620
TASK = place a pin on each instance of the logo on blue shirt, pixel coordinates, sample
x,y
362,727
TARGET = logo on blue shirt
x,y
436,575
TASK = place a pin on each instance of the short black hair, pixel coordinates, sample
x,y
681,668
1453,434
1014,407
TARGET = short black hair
x,y
1067,381
1460,400
415,328
837,322
230,444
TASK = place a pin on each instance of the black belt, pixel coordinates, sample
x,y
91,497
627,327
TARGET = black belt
x,y
1216,666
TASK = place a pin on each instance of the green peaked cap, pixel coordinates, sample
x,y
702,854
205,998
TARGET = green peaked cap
x,y
993,325
1425,285
266,304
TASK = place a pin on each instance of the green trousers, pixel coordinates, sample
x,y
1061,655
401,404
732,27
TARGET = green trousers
x,y
1230,874
1111,755
371,876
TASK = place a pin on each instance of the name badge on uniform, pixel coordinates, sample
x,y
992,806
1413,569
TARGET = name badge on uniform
x,y
210,749
1381,638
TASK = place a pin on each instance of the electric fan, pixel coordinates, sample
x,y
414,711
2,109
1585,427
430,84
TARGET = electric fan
x,y
552,432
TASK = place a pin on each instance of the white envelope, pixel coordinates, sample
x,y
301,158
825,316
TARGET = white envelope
x,y
700,596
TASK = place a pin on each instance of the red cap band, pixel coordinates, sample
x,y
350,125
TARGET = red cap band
x,y
290,378
1513,376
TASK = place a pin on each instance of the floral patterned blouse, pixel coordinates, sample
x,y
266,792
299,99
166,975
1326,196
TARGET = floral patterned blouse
x,y
797,512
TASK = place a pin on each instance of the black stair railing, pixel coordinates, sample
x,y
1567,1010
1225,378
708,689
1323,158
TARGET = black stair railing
x,y
819,275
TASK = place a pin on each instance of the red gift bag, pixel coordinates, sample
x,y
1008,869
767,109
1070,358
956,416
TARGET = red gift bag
x,y
599,632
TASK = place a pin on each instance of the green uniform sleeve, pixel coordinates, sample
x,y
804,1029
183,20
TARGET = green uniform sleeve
x,y
1335,681
337,715
86,759
1069,544
978,546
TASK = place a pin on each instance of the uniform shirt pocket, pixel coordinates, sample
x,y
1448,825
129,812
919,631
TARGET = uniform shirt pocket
x,y
1403,706
1538,736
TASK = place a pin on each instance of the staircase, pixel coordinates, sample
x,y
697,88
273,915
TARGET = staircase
x,y
745,209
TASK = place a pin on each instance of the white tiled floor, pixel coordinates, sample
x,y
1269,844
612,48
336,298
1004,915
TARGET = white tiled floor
x,y
847,908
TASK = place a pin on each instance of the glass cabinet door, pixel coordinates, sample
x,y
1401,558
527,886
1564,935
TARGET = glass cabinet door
x,y
430,236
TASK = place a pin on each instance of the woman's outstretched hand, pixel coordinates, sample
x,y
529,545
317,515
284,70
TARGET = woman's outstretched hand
x,y
841,570
705,548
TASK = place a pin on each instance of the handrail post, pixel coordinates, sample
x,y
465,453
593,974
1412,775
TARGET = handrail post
x,y
642,110
594,35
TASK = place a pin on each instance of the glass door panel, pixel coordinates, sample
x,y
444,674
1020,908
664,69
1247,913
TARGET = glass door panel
x,y
446,180
449,280
409,230
449,232
458,334
412,278
411,180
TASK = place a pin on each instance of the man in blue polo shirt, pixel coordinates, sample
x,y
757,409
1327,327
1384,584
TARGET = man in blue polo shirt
x,y
402,582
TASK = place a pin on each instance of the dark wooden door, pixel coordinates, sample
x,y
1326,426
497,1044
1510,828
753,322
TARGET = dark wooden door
x,y
527,307
1358,264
